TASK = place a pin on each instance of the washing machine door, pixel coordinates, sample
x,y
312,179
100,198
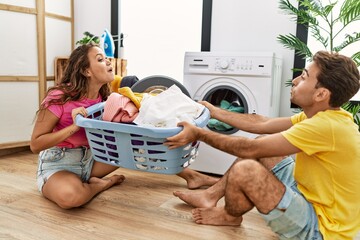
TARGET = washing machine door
x,y
229,94
155,82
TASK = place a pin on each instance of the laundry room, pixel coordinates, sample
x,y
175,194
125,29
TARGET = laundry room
x,y
137,119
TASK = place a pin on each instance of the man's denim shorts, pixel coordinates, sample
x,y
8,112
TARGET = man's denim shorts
x,y
76,160
299,220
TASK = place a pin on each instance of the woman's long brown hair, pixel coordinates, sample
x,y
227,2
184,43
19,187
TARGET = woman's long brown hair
x,y
74,84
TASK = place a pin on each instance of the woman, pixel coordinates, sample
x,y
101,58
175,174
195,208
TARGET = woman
x,y
67,173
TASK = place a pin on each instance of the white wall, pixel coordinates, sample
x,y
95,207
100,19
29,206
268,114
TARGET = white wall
x,y
254,26
237,25
157,36
92,16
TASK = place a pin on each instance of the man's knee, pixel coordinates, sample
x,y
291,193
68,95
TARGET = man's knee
x,y
244,169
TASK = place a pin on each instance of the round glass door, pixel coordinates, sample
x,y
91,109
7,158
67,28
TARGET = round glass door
x,y
227,98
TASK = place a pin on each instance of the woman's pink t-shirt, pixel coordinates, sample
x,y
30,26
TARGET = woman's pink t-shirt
x,y
63,112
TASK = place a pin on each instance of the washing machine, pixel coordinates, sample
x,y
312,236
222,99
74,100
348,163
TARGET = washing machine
x,y
247,82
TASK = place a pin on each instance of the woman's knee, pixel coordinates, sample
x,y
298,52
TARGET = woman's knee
x,y
69,197
66,197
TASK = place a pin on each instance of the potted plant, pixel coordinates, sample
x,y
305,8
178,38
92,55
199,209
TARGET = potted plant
x,y
328,24
88,38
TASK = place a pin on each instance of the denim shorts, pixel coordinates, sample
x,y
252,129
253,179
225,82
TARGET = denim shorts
x,y
297,219
76,160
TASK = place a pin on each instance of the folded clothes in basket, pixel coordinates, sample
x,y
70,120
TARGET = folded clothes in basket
x,y
167,109
134,97
119,108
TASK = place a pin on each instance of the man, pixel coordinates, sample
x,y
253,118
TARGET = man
x,y
316,197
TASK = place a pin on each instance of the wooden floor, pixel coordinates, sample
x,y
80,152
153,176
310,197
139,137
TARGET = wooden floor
x,y
142,207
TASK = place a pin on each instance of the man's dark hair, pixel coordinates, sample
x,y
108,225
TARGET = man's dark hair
x,y
339,74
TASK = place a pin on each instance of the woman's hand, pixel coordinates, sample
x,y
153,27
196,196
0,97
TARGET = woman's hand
x,y
80,110
187,135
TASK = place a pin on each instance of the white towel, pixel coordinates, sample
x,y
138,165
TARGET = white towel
x,y
167,109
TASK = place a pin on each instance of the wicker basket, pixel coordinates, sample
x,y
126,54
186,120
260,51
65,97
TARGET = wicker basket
x,y
135,147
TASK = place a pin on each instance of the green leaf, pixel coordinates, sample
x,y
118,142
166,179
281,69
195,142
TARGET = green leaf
x,y
315,32
288,83
350,11
305,18
313,6
288,8
356,58
292,42
297,69
96,40
328,9
354,109
349,39
299,15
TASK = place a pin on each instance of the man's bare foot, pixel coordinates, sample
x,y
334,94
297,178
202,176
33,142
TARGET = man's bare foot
x,y
215,216
198,198
196,180
199,180
107,182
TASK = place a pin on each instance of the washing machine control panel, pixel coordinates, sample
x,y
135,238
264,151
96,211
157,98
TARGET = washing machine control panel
x,y
236,65
224,64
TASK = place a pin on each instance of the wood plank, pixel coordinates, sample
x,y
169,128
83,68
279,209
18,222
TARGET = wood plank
x,y
19,78
13,8
59,17
41,48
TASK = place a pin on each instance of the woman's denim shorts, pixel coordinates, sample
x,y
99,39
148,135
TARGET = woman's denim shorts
x,y
299,220
76,160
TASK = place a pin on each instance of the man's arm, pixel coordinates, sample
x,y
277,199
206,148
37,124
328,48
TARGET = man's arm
x,y
267,146
252,123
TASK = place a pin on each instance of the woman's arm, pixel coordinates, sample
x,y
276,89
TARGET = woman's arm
x,y
43,136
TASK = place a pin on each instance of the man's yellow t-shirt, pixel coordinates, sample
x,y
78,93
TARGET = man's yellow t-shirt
x,y
328,169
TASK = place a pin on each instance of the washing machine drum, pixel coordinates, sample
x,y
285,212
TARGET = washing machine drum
x,y
157,82
227,98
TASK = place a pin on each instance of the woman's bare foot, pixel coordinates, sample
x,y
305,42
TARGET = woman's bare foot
x,y
215,216
198,198
107,182
196,180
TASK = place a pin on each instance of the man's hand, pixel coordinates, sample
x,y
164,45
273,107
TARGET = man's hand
x,y
209,106
187,135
